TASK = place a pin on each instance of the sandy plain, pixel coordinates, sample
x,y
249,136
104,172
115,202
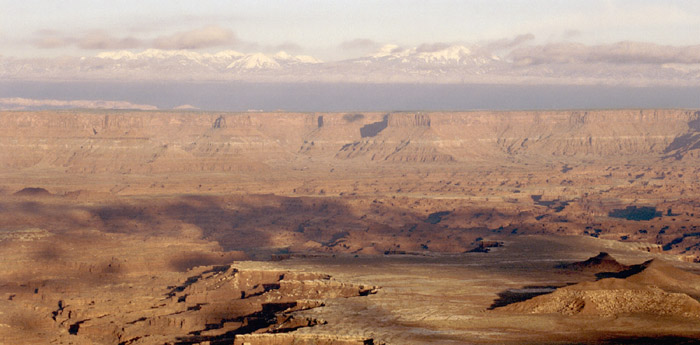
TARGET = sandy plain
x,y
424,222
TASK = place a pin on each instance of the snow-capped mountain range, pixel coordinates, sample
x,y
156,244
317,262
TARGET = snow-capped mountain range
x,y
448,55
230,58
391,63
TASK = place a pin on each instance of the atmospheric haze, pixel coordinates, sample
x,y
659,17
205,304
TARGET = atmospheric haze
x,y
344,172
310,97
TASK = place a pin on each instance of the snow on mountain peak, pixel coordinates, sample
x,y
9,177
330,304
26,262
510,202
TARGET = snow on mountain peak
x,y
255,61
150,54
436,62
228,54
431,55
308,59
230,58
284,56
454,53
387,50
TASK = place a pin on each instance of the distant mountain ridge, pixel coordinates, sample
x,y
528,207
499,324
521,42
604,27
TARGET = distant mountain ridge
x,y
231,59
391,63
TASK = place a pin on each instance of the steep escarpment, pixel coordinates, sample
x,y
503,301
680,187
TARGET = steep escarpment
x,y
138,142
565,133
687,145
400,137
148,142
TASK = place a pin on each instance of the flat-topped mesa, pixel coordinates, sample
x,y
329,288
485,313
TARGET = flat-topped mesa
x,y
145,142
149,124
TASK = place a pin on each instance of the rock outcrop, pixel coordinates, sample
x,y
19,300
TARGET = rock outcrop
x,y
651,288
602,262
214,304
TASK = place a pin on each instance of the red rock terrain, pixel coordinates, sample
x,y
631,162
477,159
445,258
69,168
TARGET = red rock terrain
x,y
102,202
653,288
358,178
97,288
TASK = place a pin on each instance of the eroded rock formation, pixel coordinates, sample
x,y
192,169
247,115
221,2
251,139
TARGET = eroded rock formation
x,y
213,304
651,288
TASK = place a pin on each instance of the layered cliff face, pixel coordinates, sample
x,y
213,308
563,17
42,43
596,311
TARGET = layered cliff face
x,y
144,142
571,133
161,142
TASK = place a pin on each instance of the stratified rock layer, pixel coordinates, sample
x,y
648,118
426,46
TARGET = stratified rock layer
x,y
131,142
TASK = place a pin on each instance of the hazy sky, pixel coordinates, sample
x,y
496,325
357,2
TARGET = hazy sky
x,y
331,30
